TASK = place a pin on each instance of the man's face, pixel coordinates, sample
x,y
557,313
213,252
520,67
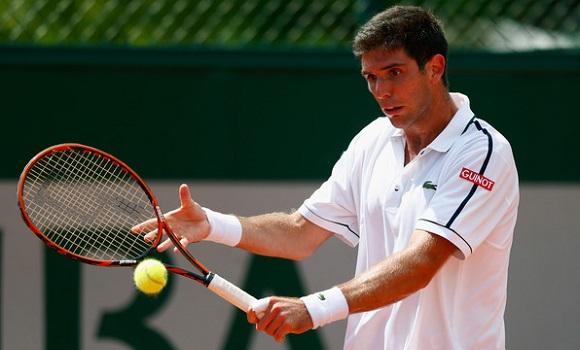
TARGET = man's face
x,y
402,90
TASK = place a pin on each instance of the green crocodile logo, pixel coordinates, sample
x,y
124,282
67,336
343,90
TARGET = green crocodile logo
x,y
430,185
321,296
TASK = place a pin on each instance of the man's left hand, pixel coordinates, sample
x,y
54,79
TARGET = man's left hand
x,y
282,316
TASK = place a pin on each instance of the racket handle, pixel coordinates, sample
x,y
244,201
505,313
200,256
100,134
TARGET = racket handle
x,y
231,293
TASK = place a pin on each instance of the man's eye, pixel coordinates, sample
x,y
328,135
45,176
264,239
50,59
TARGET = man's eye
x,y
395,72
370,77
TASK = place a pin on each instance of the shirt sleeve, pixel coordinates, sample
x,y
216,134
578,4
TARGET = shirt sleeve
x,y
476,191
332,206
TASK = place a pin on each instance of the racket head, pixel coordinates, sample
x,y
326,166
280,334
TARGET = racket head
x,y
83,202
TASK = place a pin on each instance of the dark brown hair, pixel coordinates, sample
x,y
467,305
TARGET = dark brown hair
x,y
410,28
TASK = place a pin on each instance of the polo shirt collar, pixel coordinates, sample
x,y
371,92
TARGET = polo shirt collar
x,y
456,125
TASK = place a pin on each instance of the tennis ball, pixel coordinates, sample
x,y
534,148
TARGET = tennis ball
x,y
150,276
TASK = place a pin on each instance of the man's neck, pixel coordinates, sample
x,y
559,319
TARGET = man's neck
x,y
439,115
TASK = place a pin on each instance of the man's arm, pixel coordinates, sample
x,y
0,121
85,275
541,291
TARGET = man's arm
x,y
283,235
278,234
385,283
399,275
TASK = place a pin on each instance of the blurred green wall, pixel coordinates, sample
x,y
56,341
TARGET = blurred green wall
x,y
226,114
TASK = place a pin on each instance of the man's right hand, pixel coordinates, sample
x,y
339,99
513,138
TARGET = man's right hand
x,y
188,222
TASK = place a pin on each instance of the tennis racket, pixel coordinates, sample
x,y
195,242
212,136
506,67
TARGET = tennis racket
x,y
83,203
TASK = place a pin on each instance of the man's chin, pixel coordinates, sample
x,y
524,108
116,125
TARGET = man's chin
x,y
397,120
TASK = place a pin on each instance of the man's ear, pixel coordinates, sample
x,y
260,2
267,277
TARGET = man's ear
x,y
436,67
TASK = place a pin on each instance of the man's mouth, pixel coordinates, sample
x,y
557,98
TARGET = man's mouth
x,y
392,110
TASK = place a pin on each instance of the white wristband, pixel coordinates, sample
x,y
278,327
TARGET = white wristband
x,y
224,229
326,306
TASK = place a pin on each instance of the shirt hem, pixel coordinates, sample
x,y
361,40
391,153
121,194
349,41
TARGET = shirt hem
x,y
451,235
342,231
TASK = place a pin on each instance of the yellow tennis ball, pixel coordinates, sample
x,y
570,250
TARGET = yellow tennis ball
x,y
150,276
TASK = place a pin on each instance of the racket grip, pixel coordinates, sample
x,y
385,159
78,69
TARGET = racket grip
x,y
230,292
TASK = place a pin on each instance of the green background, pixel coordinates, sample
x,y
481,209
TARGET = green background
x,y
252,115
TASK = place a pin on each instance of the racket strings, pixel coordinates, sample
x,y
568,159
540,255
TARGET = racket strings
x,y
105,212
62,200
79,221
69,202
87,204
110,173
56,199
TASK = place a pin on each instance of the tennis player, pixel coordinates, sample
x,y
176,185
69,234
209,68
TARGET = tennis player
x,y
428,192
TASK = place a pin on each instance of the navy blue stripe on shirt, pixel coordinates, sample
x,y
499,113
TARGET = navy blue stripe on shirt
x,y
468,124
452,230
333,222
481,172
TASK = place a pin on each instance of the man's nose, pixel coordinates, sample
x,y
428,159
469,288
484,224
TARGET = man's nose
x,y
382,89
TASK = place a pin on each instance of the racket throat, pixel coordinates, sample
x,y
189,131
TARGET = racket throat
x,y
208,278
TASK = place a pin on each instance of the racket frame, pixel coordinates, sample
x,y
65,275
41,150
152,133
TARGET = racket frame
x,y
204,278
212,281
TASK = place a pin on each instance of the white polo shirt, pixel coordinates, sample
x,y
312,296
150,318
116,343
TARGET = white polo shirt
x,y
463,187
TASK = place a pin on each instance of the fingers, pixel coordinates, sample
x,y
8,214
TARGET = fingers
x,y
252,317
185,196
257,310
184,242
149,228
281,333
281,317
188,222
270,316
145,226
163,246
150,236
273,323
277,328
259,307
276,325
168,243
